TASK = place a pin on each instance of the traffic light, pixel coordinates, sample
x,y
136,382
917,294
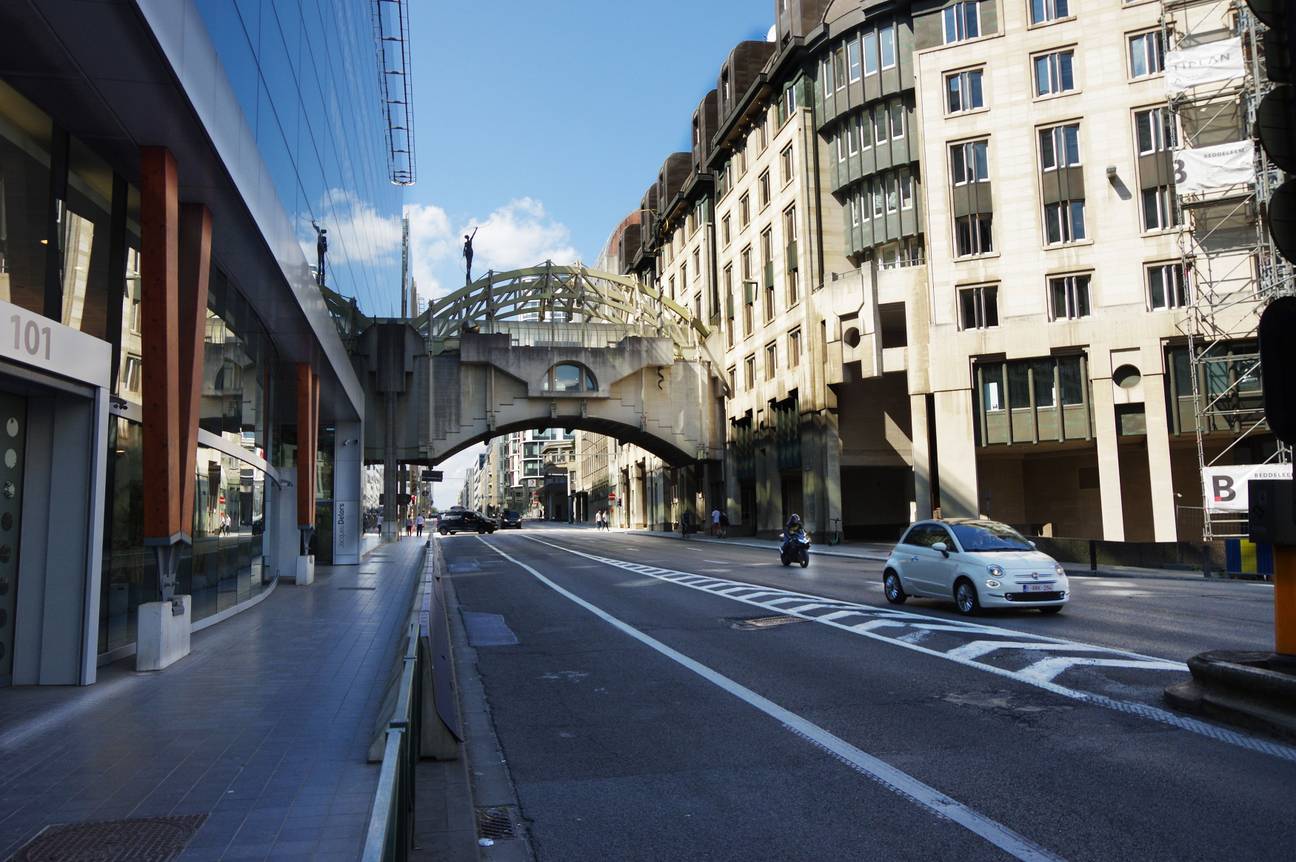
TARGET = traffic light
x,y
1276,117
1277,359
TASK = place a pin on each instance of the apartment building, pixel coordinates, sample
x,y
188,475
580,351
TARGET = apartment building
x,y
948,268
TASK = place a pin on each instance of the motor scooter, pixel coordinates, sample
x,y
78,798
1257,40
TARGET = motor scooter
x,y
794,548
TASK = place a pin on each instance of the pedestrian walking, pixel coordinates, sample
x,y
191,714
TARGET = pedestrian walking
x,y
418,525
715,522
724,525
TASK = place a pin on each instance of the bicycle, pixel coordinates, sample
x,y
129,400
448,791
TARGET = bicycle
x,y
835,537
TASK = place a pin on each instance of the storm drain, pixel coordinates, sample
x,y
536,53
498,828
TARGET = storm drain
x,y
148,839
358,588
756,623
494,823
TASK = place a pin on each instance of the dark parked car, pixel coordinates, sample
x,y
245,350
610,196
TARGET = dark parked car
x,y
464,522
510,521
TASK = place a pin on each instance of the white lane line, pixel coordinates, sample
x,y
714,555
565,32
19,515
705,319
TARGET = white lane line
x,y
976,649
893,779
904,619
719,562
1045,670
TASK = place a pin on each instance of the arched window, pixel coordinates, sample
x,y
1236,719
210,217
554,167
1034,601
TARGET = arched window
x,y
569,377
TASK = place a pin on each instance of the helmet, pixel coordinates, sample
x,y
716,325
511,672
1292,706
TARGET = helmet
x,y
795,519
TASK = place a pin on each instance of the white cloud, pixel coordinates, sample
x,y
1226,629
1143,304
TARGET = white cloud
x,y
521,233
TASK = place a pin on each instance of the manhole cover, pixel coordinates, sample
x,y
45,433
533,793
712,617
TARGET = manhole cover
x,y
494,823
149,839
751,623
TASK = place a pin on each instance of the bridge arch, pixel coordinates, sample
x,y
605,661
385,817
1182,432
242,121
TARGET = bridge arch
x,y
621,432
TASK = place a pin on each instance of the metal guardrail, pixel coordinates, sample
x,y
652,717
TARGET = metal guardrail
x,y
424,723
391,821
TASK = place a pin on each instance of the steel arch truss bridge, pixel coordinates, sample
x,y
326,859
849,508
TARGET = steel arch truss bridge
x,y
545,346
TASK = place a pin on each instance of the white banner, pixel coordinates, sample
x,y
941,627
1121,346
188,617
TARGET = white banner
x,y
1226,487
1204,168
1204,64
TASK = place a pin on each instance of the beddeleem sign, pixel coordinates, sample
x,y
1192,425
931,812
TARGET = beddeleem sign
x,y
1226,487
32,339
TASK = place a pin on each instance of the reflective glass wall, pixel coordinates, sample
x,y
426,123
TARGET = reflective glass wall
x,y
306,75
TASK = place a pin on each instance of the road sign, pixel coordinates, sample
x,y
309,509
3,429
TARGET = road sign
x,y
432,476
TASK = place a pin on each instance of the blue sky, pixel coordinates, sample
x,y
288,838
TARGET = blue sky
x,y
545,123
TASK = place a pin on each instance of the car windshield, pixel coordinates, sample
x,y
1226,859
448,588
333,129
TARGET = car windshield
x,y
990,536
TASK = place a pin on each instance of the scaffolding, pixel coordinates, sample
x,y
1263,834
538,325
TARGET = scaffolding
x,y
1231,269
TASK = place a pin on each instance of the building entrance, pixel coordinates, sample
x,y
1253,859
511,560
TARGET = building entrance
x,y
13,434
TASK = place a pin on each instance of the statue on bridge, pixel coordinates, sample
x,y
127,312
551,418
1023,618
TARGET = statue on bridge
x,y
468,256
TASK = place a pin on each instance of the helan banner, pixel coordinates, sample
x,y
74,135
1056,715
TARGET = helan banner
x,y
1212,63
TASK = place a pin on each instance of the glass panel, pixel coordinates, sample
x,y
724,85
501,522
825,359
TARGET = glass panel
x,y
990,301
992,387
1018,385
1042,372
1072,383
25,134
1077,220
968,303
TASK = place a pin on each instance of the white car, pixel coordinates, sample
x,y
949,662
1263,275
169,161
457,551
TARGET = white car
x,y
978,564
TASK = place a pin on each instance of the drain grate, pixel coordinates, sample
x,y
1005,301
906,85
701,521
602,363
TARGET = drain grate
x,y
357,588
494,823
148,839
756,623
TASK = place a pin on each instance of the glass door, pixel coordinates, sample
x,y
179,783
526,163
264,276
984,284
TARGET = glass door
x,y
13,434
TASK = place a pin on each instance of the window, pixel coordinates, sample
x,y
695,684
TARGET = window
x,y
972,235
1159,211
854,212
852,136
964,91
886,36
1146,54
839,68
841,145
897,120
1043,11
794,348
764,188
875,191
870,53
744,211
906,189
789,166
767,264
863,131
1054,73
979,306
671,290
749,372
748,285
1060,147
1064,222
1165,282
732,374
969,163
962,20
132,379
827,73
880,122
892,184
790,100
729,302
569,377
853,59
762,131
1068,297
726,234
1154,131
697,262
771,361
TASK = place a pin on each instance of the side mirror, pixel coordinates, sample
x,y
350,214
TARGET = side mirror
x,y
942,547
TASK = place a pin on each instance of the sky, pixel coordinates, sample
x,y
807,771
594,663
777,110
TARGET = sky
x,y
544,124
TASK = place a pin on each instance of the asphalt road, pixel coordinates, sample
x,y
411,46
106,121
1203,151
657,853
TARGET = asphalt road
x,y
644,716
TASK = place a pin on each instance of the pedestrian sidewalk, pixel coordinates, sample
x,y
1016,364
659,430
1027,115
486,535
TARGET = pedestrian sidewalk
x,y
263,729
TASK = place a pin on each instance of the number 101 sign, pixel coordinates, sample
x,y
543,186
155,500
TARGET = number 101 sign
x,y
31,339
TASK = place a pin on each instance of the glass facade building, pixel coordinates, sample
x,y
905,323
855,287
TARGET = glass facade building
x,y
274,113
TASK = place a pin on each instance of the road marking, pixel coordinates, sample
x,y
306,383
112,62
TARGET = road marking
x,y
897,781
885,617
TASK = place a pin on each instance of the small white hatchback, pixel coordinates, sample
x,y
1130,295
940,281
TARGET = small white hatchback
x,y
978,564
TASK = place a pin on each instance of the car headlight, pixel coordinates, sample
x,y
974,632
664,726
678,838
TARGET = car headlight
x,y
995,571
1058,570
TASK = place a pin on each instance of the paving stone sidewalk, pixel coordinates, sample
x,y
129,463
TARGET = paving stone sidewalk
x,y
264,728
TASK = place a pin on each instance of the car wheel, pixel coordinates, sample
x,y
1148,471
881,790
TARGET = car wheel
x,y
965,597
891,585
1050,611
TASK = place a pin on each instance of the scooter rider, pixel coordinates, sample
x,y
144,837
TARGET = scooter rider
x,y
793,526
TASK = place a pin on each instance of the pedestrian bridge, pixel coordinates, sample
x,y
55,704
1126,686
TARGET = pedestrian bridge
x,y
547,346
